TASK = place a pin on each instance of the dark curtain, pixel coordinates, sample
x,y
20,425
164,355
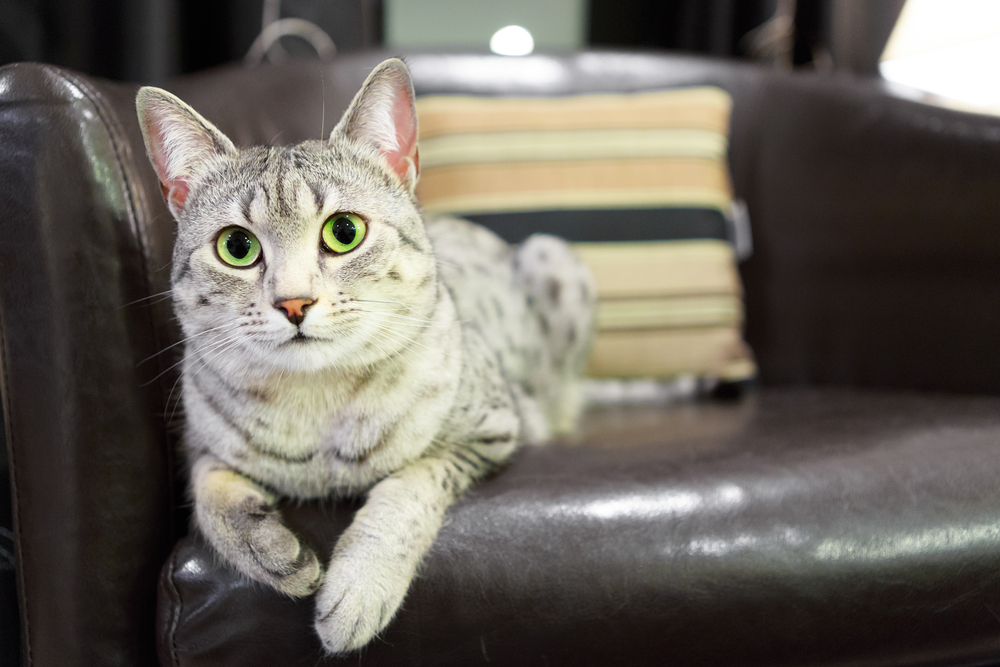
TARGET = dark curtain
x,y
150,40
702,26
120,39
827,34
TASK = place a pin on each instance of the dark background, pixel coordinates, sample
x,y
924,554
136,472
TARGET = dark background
x,y
151,40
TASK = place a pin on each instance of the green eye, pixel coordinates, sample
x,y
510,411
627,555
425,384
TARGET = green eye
x,y
237,247
343,232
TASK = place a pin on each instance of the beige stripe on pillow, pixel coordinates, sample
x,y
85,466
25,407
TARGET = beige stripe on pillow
x,y
667,308
512,186
662,268
679,312
718,351
692,108
575,145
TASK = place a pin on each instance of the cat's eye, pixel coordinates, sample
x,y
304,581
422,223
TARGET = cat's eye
x,y
343,232
237,247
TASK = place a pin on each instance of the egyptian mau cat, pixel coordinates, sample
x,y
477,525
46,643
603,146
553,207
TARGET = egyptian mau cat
x,y
337,344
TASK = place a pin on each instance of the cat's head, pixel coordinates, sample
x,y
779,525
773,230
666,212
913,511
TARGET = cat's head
x,y
302,257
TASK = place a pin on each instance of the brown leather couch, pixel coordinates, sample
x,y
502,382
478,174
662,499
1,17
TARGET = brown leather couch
x,y
847,511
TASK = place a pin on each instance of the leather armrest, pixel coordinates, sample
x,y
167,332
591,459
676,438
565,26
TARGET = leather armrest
x,y
91,464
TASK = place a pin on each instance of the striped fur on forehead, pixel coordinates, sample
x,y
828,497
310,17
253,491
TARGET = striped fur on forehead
x,y
284,196
338,177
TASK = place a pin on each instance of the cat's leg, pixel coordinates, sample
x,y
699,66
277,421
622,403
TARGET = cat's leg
x,y
241,521
378,555
560,291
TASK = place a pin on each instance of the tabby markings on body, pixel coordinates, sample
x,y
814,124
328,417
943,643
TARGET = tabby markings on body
x,y
336,343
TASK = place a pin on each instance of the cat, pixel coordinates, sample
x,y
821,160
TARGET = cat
x,y
336,343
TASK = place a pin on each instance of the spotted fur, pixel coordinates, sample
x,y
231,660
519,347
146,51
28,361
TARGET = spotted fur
x,y
428,354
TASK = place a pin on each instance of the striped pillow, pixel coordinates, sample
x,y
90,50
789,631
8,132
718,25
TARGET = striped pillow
x,y
638,182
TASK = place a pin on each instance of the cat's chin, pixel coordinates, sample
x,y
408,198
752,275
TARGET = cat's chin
x,y
306,354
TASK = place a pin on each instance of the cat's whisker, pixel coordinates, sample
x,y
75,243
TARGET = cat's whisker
x,y
384,337
401,327
399,303
378,301
216,343
146,298
167,265
180,376
410,341
382,312
388,355
396,326
165,371
216,351
389,328
191,337
213,346
393,329
170,396
281,377
419,320
396,333
322,122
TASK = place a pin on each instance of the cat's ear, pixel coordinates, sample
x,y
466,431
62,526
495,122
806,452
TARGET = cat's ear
x,y
178,141
383,115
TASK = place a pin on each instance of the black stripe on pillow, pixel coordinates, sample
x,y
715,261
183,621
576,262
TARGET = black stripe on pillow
x,y
642,224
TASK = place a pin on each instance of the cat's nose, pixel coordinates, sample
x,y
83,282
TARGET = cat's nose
x,y
294,309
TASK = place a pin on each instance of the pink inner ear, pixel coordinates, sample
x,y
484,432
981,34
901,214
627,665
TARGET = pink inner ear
x,y
176,194
175,188
405,154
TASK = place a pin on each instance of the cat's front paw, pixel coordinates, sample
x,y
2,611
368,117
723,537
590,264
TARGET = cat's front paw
x,y
279,558
250,534
357,600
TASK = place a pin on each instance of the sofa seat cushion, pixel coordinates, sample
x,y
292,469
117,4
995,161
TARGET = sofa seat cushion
x,y
795,526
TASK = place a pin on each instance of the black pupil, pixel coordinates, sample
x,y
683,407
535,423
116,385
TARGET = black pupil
x,y
344,230
238,244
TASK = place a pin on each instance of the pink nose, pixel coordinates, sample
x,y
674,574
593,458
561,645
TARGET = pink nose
x,y
295,309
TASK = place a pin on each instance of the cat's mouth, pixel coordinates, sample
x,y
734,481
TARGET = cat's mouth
x,y
299,339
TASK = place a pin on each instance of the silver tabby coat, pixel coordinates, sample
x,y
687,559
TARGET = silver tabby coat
x,y
336,343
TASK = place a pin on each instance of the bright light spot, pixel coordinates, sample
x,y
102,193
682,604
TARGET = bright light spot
x,y
924,544
512,41
966,72
948,48
670,503
194,568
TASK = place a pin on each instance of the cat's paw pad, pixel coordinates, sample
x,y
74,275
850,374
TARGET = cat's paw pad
x,y
279,558
354,605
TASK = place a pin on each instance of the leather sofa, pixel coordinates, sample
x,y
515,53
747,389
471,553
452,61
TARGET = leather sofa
x,y
845,511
